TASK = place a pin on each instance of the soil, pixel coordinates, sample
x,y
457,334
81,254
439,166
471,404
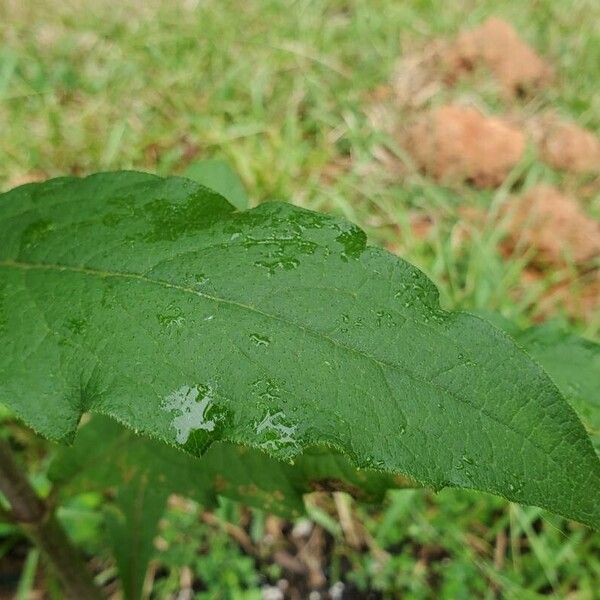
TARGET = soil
x,y
547,222
419,76
554,226
459,144
577,298
497,46
566,146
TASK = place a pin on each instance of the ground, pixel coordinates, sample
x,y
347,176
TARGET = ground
x,y
402,117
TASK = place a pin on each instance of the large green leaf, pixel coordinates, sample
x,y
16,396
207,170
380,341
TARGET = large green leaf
x,y
151,300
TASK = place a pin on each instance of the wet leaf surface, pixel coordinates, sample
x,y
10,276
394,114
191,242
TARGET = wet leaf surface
x,y
153,301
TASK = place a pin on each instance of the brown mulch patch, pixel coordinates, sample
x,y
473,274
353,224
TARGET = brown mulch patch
x,y
578,298
454,143
554,225
459,144
496,46
566,146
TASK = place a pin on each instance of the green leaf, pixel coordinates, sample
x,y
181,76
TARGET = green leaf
x,y
106,455
153,301
219,176
573,363
132,523
142,472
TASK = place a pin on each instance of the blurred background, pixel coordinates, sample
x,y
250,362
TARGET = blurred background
x,y
462,136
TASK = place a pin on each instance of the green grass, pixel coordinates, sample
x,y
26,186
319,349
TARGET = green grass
x,y
421,546
280,90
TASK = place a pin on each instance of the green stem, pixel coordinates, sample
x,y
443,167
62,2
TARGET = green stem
x,y
40,524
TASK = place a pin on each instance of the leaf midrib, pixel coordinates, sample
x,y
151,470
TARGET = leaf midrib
x,y
22,265
175,286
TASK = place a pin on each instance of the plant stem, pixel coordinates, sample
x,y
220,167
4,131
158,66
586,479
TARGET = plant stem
x,y
40,524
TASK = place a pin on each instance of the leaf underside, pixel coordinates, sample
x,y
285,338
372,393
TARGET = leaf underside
x,y
141,473
154,302
107,455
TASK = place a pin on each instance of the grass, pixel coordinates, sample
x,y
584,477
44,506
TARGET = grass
x,y
280,90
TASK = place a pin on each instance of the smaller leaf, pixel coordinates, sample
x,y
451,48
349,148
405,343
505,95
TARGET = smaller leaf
x,y
144,472
572,362
106,455
132,522
219,176
574,365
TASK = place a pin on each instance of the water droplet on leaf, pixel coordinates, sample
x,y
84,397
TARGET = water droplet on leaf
x,y
260,340
173,316
193,404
